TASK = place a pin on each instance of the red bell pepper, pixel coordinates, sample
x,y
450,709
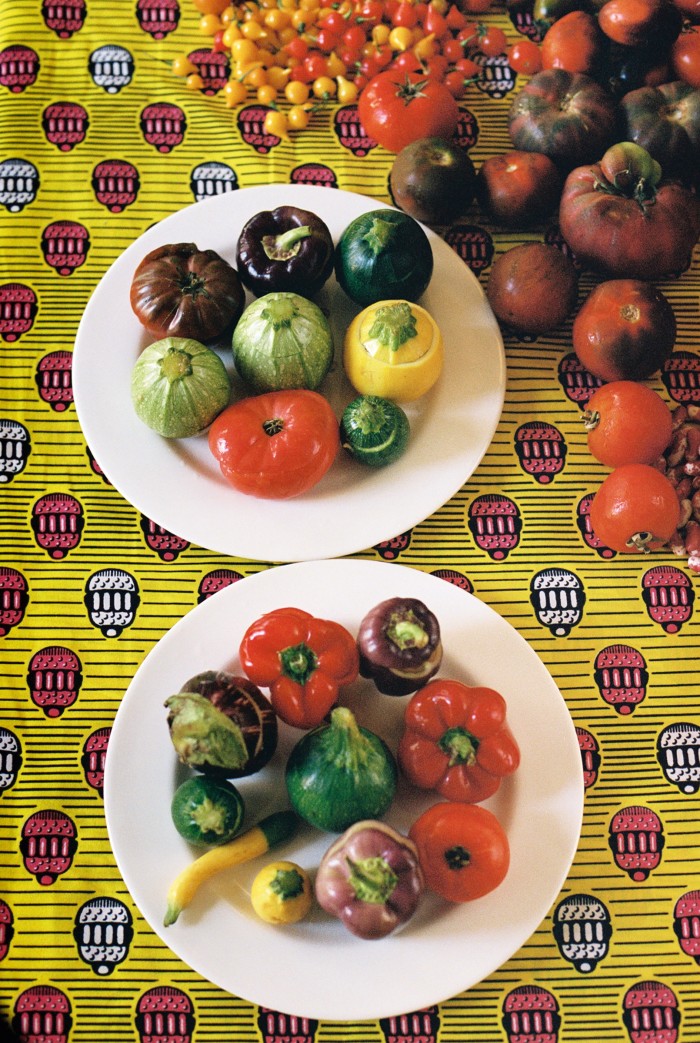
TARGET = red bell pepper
x,y
302,660
456,741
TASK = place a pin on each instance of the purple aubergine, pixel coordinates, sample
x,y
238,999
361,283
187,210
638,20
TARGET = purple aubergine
x,y
371,879
285,250
400,646
222,725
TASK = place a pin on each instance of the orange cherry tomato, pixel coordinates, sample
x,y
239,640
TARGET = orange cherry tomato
x,y
636,509
463,850
627,423
276,445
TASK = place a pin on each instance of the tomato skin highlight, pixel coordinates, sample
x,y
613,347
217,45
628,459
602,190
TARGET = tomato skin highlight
x,y
398,107
635,510
276,445
463,850
627,423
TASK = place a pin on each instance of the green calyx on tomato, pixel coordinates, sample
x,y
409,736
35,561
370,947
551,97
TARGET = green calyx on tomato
x,y
631,171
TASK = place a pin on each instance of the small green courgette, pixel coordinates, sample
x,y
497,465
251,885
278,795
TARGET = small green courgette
x,y
268,833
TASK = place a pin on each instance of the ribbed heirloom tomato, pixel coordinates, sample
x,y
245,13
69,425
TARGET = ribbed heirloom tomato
x,y
398,107
276,445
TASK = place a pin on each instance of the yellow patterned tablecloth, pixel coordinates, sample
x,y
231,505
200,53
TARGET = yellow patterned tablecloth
x,y
87,95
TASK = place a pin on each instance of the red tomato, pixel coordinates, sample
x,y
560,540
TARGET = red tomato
x,y
630,22
532,287
463,850
636,509
627,423
689,8
621,236
685,56
519,188
525,57
625,330
492,41
396,108
276,445
574,43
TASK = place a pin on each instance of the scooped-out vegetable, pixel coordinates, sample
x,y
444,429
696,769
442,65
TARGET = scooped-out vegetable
x,y
286,249
393,349
370,879
400,645
340,773
179,386
383,254
222,725
282,341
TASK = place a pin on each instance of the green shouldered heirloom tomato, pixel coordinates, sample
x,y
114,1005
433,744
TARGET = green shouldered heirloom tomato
x,y
624,330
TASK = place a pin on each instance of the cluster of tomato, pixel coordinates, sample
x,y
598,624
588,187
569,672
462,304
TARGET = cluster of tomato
x,y
295,55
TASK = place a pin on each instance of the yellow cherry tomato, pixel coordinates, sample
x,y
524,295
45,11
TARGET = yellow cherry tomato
x,y
281,893
182,66
393,349
296,92
194,82
244,50
276,123
235,92
230,35
209,24
298,117
324,87
347,91
400,38
266,94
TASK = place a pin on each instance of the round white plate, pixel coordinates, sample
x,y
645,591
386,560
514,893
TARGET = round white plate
x,y
177,483
317,968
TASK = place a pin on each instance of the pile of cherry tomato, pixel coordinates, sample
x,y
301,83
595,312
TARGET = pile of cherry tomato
x,y
296,55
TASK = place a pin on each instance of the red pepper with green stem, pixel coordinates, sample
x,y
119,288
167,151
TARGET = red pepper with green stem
x,y
302,660
456,741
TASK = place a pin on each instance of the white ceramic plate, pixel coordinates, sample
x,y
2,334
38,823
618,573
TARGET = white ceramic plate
x,y
317,968
177,484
